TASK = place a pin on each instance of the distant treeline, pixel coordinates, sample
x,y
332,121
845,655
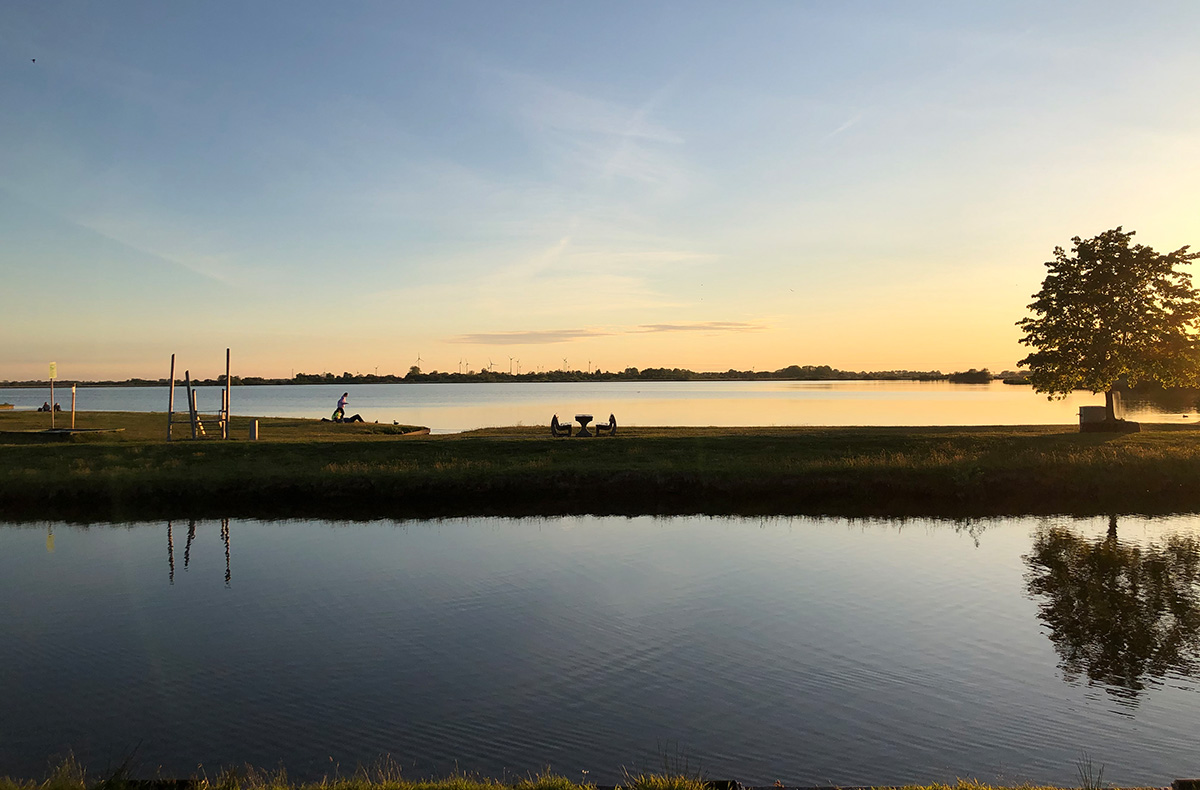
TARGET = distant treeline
x,y
416,376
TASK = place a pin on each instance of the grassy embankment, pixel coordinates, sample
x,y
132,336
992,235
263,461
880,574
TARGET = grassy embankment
x,y
70,776
309,468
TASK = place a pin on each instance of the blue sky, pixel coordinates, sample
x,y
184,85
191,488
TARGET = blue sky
x,y
709,185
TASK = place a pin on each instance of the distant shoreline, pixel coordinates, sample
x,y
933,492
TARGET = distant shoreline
x,y
790,373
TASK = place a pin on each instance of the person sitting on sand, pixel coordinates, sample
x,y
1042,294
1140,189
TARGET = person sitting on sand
x,y
44,407
57,407
355,418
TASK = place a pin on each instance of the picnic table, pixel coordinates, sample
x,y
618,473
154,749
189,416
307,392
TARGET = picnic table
x,y
564,428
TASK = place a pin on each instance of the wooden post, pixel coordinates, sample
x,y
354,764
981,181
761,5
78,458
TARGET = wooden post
x,y
187,382
171,399
72,407
225,423
195,414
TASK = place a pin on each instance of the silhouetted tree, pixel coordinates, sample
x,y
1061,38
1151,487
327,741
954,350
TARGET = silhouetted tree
x,y
1118,613
971,376
1111,310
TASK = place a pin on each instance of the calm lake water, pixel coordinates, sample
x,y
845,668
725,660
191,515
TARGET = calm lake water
x,y
811,651
459,407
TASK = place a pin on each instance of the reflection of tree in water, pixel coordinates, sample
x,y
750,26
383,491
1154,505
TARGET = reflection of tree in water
x,y
1118,614
972,527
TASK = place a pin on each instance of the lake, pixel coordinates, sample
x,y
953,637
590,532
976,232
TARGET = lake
x,y
811,651
459,407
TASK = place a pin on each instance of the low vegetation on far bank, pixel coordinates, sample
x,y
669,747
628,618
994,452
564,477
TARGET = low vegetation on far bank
x,y
308,468
416,375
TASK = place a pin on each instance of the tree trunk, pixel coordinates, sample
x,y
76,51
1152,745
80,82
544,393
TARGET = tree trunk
x,y
1110,409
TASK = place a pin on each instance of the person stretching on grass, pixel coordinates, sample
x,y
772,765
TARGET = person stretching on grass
x,y
340,411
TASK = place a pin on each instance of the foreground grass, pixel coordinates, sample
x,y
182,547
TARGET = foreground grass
x,y
70,776
308,468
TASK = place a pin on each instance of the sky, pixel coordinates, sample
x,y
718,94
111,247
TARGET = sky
x,y
356,186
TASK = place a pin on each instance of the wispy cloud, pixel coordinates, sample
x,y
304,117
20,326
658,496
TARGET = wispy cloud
x,y
846,125
579,254
598,137
702,326
533,337
550,107
173,244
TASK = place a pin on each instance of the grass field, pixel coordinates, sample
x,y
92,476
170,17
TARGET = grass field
x,y
309,468
387,776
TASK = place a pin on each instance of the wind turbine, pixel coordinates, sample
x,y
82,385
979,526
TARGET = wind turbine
x,y
564,363
518,367
510,359
418,359
489,364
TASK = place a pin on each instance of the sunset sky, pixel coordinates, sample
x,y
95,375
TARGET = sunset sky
x,y
343,187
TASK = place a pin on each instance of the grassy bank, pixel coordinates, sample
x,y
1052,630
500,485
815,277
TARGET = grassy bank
x,y
385,776
307,468
71,777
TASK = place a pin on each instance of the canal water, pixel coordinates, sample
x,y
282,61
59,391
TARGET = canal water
x,y
809,651
459,407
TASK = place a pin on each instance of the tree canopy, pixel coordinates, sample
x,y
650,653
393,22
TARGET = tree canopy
x,y
1112,310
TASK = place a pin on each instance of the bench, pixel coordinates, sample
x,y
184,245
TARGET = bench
x,y
609,427
559,429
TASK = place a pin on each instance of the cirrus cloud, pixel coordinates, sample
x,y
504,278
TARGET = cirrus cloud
x,y
702,326
532,337
539,336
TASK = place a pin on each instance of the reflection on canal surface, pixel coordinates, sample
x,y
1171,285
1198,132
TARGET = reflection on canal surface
x,y
812,651
1118,614
187,548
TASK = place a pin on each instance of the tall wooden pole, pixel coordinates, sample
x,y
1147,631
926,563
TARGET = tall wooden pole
x,y
187,382
171,398
72,407
225,423
51,403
